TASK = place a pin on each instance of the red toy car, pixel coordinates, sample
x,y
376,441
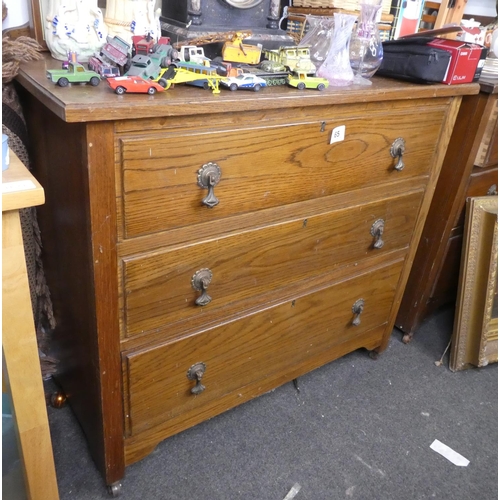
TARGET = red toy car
x,y
134,84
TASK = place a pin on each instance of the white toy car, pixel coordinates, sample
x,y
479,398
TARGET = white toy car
x,y
244,81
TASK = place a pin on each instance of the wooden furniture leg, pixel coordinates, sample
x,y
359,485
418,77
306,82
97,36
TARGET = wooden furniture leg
x,y
21,360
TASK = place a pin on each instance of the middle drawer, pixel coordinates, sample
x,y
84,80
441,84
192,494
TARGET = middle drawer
x,y
159,289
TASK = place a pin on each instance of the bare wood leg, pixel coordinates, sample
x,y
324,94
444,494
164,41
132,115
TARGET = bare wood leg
x,y
23,366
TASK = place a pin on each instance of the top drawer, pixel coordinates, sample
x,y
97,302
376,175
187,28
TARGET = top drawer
x,y
264,166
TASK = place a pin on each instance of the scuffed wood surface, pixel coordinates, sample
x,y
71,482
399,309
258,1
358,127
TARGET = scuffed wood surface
x,y
83,103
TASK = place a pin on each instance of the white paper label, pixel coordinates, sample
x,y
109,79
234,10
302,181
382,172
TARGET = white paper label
x,y
451,455
338,134
11,187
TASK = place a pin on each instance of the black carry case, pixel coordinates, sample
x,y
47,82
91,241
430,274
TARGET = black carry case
x,y
413,60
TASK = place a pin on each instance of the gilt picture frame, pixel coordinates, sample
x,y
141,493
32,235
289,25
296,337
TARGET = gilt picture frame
x,y
475,330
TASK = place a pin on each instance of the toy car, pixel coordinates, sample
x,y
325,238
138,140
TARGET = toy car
x,y
244,81
76,73
302,81
134,84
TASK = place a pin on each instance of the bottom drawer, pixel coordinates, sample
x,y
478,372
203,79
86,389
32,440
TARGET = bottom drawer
x,y
249,356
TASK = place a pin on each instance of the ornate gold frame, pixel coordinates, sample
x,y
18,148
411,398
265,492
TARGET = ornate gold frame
x,y
475,331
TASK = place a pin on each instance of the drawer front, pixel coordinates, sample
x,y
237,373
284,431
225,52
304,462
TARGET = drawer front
x,y
263,167
296,335
158,291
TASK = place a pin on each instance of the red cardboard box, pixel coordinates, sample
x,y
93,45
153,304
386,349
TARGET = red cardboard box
x,y
467,60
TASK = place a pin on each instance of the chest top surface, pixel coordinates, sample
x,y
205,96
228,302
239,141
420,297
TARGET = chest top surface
x,y
84,103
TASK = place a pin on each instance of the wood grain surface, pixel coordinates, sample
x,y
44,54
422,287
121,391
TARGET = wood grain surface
x,y
85,103
264,346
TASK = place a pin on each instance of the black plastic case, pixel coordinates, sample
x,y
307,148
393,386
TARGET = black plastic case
x,y
413,60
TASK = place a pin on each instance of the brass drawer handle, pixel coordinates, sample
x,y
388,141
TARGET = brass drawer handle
x,y
397,151
208,177
196,372
200,281
377,230
357,309
492,191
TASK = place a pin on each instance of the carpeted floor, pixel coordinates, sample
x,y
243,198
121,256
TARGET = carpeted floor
x,y
358,429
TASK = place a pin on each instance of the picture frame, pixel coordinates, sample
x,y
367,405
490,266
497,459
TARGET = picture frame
x,y
37,14
475,331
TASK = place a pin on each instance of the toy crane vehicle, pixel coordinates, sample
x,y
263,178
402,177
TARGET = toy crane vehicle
x,y
233,49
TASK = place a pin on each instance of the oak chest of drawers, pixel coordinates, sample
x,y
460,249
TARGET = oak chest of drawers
x,y
202,249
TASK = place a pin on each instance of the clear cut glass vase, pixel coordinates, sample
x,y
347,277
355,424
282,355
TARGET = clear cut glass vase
x,y
366,51
317,37
336,67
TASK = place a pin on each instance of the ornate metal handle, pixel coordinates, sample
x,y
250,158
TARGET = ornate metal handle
x,y
200,281
208,177
397,151
196,372
492,191
377,230
357,309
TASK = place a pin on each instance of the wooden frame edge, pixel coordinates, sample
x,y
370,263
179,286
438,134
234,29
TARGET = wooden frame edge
x,y
477,283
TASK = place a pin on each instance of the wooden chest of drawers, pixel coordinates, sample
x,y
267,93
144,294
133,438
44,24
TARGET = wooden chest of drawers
x,y
202,249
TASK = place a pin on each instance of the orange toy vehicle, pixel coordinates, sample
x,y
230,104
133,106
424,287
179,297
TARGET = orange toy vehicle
x,y
134,84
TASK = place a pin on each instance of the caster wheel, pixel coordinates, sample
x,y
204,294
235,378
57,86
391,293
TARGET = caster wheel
x,y
373,354
58,399
407,338
115,489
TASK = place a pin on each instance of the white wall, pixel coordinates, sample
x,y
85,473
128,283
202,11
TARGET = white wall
x,y
17,13
479,7
18,10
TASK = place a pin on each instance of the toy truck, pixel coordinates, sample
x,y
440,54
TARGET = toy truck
x,y
190,53
76,73
236,51
146,45
105,69
292,58
116,50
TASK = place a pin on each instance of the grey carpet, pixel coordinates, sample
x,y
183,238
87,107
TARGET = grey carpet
x,y
358,429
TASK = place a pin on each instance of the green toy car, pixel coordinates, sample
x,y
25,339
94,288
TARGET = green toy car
x,y
75,73
303,81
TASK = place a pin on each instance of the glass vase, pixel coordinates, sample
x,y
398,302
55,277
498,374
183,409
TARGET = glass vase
x,y
365,48
336,67
317,37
